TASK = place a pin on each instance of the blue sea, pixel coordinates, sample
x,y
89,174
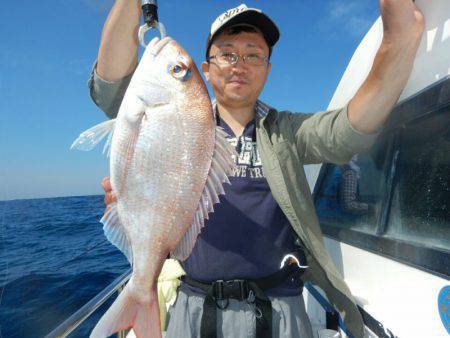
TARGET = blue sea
x,y
54,258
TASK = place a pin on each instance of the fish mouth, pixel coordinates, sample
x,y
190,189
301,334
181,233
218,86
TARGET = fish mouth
x,y
156,45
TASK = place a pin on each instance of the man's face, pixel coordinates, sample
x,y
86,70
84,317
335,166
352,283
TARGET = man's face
x,y
237,85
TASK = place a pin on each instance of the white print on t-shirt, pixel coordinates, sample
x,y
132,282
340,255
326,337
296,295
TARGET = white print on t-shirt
x,y
248,161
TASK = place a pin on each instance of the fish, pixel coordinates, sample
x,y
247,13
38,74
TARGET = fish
x,y
169,162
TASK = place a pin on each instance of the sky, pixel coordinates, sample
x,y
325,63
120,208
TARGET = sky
x,y
48,48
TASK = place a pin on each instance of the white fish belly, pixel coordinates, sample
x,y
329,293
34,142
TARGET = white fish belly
x,y
164,178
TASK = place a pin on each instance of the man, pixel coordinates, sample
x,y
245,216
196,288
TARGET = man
x,y
348,190
268,206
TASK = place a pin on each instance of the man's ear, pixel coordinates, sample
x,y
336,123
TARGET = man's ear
x,y
205,69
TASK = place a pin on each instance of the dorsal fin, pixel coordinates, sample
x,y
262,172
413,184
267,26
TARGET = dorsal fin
x,y
222,165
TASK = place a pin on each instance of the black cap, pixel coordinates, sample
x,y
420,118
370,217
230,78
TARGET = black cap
x,y
242,15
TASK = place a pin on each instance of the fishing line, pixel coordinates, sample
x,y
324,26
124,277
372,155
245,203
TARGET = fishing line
x,y
89,247
3,231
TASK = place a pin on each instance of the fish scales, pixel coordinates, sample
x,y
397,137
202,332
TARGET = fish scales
x,y
163,185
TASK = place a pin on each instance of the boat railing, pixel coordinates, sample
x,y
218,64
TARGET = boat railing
x,y
75,320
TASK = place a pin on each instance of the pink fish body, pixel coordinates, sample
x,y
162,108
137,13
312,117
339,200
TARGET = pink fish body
x,y
168,161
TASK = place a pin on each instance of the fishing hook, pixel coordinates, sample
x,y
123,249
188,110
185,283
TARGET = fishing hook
x,y
150,14
145,28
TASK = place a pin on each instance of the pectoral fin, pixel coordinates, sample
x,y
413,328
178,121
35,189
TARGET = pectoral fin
x,y
91,137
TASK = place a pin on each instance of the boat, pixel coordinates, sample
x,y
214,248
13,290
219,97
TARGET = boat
x,y
390,236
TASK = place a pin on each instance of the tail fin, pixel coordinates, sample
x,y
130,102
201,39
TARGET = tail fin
x,y
127,313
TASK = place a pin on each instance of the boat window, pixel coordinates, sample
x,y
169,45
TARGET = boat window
x,y
405,184
351,194
420,207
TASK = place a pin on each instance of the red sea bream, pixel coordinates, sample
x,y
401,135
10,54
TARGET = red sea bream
x,y
168,161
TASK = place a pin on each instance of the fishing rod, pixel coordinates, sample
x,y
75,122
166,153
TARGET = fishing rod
x,y
150,14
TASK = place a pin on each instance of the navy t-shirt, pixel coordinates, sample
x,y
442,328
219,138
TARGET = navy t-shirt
x,y
247,235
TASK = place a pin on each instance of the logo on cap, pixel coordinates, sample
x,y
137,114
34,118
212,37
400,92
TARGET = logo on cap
x,y
231,12
224,17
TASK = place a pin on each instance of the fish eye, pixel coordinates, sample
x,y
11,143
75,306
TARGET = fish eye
x,y
177,69
180,71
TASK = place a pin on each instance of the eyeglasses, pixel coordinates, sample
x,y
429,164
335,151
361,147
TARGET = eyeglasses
x,y
231,58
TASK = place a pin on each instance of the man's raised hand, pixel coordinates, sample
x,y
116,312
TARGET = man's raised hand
x,y
403,22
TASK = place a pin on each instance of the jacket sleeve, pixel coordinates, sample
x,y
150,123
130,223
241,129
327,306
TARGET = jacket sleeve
x,y
328,137
107,95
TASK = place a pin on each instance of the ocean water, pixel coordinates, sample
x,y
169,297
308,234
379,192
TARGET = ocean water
x,y
54,258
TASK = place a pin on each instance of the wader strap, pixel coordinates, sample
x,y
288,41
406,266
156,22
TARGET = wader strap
x,y
252,291
208,328
264,323
263,312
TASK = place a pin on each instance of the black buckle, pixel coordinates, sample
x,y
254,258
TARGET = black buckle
x,y
218,289
236,289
